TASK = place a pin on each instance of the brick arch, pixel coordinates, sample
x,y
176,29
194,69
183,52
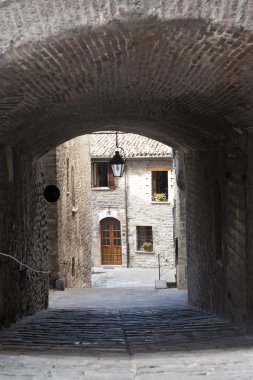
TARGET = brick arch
x,y
109,214
180,73
26,20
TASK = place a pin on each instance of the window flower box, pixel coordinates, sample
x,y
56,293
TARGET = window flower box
x,y
147,246
160,197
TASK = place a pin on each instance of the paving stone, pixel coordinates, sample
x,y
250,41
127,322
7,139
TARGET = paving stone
x,y
128,340
160,284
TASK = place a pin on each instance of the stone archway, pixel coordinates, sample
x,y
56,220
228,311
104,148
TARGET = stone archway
x,y
178,72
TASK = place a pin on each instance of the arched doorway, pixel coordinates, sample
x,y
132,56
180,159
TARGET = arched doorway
x,y
111,252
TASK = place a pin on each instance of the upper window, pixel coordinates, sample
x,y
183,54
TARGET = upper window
x,y
159,186
101,175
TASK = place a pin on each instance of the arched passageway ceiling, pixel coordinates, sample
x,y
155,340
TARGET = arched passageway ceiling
x,y
181,74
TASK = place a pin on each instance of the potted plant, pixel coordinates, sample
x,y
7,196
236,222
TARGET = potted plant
x,y
147,246
160,197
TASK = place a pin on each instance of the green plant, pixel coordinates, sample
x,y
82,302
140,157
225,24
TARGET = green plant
x,y
160,197
147,244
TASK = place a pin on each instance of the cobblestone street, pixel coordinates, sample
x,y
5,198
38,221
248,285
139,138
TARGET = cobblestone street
x,y
128,333
117,277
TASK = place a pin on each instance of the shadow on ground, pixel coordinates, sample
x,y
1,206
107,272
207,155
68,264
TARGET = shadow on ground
x,y
110,332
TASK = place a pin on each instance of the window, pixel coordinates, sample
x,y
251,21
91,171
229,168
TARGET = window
x,y
159,186
102,175
144,234
73,267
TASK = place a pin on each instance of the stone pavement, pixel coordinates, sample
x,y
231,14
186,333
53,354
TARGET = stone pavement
x,y
118,277
121,334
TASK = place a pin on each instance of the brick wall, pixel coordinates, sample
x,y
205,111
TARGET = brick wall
x,y
68,91
37,19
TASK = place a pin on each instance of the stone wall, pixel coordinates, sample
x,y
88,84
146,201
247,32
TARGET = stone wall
x,y
206,275
6,314
219,263
68,167
74,212
108,203
219,270
48,165
236,234
180,222
26,240
62,65
143,212
249,234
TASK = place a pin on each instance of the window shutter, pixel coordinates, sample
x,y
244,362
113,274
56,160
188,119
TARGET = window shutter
x,y
111,179
154,184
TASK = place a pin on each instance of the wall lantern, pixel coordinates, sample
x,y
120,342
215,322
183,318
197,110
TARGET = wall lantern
x,y
117,162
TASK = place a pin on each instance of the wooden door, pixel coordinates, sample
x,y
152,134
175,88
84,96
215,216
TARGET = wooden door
x,y
111,242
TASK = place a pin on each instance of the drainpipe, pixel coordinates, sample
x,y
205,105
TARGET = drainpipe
x,y
126,214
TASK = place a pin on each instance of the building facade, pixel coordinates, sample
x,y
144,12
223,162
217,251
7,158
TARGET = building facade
x,y
132,216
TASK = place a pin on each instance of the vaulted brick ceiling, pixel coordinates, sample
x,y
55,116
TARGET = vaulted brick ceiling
x,y
182,82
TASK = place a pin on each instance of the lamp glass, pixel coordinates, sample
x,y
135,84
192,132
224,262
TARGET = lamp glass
x,y
117,165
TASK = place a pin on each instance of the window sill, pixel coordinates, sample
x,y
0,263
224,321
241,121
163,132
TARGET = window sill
x,y
160,203
144,252
100,188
